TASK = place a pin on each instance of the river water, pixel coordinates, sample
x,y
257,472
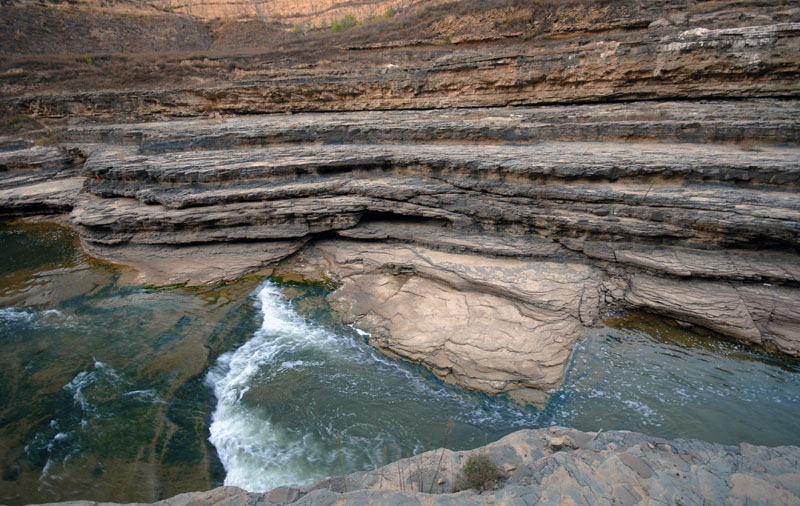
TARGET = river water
x,y
129,393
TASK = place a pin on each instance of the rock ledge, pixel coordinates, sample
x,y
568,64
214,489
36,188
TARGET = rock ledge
x,y
554,466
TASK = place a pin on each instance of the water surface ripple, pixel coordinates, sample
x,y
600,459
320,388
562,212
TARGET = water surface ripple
x,y
113,392
286,395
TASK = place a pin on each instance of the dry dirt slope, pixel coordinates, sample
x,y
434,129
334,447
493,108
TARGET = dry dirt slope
x,y
101,26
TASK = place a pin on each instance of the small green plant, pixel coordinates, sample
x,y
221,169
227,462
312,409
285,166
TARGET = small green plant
x,y
479,472
44,140
389,13
531,33
348,21
88,59
17,123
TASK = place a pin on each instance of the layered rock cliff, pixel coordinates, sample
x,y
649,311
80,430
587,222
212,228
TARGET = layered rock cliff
x,y
482,242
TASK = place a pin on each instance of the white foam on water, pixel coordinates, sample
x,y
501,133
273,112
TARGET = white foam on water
x,y
257,455
260,452
85,380
34,318
13,314
297,364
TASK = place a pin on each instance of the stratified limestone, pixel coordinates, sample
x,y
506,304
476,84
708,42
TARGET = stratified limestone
x,y
628,63
37,179
484,252
769,121
46,197
551,467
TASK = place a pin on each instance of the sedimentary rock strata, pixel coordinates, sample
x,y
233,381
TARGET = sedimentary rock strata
x,y
556,466
504,193
37,179
663,62
469,241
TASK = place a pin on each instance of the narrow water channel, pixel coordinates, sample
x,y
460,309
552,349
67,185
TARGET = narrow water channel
x,y
128,393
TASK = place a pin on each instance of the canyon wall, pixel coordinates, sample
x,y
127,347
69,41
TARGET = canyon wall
x,y
480,205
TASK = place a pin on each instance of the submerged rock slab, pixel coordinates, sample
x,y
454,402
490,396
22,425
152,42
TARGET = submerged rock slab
x,y
197,264
555,466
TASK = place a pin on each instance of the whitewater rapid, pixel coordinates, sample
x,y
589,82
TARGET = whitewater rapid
x,y
287,394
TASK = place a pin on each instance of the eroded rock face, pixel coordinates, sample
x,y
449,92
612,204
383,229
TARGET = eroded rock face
x,y
624,63
555,466
469,241
37,179
481,242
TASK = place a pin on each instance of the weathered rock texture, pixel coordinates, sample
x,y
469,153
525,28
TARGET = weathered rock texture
x,y
556,466
480,242
621,63
471,241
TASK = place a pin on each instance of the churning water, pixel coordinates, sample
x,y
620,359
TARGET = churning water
x,y
124,393
287,395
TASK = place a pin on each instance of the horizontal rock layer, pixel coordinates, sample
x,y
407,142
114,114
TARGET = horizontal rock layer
x,y
747,122
634,63
469,240
555,466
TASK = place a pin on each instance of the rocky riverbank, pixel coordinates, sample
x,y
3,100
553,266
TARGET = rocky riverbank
x,y
477,242
507,244
554,466
480,202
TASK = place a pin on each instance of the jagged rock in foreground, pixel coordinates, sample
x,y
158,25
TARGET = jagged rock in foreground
x,y
469,241
556,466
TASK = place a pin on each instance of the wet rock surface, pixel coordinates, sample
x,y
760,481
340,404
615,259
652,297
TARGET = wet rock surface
x,y
491,324
556,466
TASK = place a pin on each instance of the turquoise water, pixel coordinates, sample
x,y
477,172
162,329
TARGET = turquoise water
x,y
124,393
103,385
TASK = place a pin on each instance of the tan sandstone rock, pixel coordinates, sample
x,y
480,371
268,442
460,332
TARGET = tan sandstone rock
x,y
492,324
